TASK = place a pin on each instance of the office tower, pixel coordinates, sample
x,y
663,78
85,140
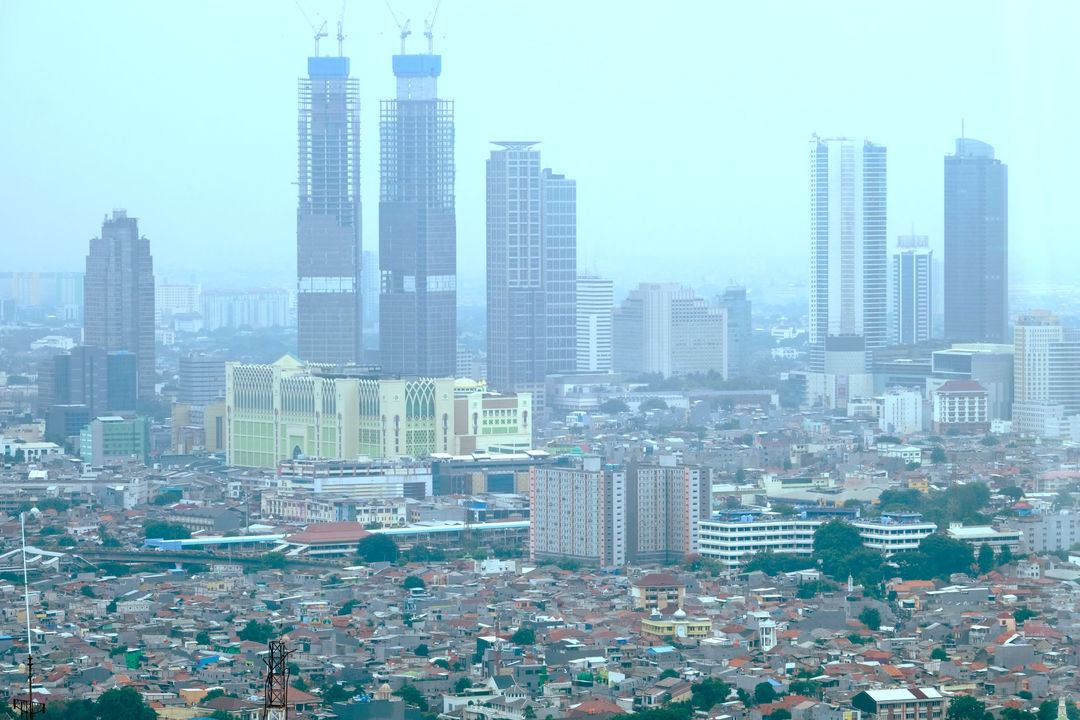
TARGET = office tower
x,y
76,378
976,244
531,270
119,296
328,216
202,379
595,305
369,290
417,224
848,256
989,365
664,329
122,370
1047,374
913,287
739,329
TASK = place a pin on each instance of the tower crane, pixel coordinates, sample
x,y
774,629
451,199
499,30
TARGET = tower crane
x,y
405,31
429,28
320,32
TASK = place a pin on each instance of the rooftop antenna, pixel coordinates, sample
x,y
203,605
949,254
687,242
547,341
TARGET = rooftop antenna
x,y
405,31
27,707
320,32
429,28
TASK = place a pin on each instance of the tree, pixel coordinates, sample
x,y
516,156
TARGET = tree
x,y
708,692
124,703
834,542
334,693
1023,613
524,636
1012,492
202,638
985,559
1004,556
764,692
964,707
378,547
215,693
529,713
669,673
258,632
939,653
274,560
87,590
871,618
808,688
168,497
937,456
652,403
111,607
780,714
165,530
412,581
462,684
412,696
614,406
421,650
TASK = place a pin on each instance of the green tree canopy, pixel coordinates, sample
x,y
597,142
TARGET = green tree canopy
x,y
613,406
871,618
165,530
412,696
260,632
412,581
985,559
764,692
964,707
524,636
378,547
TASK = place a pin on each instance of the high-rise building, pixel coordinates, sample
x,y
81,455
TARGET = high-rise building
x,y
595,306
255,308
123,376
369,290
848,255
1047,375
172,299
608,517
328,216
976,244
531,270
202,379
76,378
665,329
913,288
417,224
739,329
119,296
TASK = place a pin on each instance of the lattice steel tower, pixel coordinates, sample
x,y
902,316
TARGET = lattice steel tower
x,y
328,215
417,224
275,695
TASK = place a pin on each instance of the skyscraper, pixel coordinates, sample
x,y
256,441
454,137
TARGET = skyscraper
x,y
119,296
417,224
665,329
595,305
1047,374
848,256
976,244
531,270
739,329
913,287
328,243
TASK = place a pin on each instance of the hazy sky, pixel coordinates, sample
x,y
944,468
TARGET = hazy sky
x,y
686,124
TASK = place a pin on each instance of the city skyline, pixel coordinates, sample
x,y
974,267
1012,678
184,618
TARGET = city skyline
x,y
916,146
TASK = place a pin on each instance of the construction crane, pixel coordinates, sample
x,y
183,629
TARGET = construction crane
x,y
429,29
341,31
405,31
320,32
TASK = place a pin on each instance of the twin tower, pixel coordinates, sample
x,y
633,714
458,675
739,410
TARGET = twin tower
x,y
417,222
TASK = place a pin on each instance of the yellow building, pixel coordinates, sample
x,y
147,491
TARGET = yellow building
x,y
676,627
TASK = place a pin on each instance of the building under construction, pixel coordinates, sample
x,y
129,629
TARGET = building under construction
x,y
417,224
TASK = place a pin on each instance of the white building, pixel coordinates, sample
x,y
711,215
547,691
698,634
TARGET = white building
x,y
1046,375
976,535
257,308
894,532
172,300
901,411
665,329
733,537
848,256
595,305
912,272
